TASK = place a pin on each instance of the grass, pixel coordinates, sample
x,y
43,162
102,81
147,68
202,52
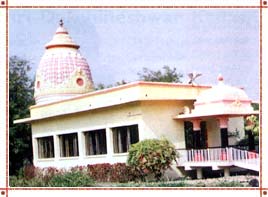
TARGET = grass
x,y
77,179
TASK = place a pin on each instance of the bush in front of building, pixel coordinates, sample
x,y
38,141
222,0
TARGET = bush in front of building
x,y
71,179
151,157
51,177
105,172
99,172
31,176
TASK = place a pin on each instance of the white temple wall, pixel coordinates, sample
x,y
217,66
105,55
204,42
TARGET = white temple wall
x,y
159,120
108,118
154,120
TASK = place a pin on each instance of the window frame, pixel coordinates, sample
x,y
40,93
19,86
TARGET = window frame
x,y
72,150
98,140
45,149
125,135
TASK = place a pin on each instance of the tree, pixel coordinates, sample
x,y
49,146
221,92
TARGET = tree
x,y
252,123
101,86
167,75
20,98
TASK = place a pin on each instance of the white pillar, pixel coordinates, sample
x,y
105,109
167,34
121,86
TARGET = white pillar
x,y
109,143
199,173
56,147
226,172
81,145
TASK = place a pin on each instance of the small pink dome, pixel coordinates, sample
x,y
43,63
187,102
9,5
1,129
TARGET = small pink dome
x,y
222,99
63,72
221,92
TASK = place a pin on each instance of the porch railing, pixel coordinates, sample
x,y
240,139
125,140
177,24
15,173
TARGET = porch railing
x,y
227,155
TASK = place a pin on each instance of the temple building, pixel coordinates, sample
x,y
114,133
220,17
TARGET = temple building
x,y
74,125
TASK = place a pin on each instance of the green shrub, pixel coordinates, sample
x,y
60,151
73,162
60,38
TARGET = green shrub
x,y
120,172
105,172
229,184
100,172
151,184
71,179
20,182
29,172
151,157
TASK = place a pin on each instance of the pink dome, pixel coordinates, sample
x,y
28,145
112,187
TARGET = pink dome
x,y
222,99
221,92
63,72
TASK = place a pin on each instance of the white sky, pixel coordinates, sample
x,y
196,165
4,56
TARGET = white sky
x,y
119,43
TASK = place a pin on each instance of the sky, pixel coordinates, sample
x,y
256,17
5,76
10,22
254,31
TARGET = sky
x,y
118,43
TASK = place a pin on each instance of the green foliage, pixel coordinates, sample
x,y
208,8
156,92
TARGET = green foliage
x,y
105,172
71,179
29,172
99,172
15,181
119,175
244,141
67,179
20,98
167,75
101,86
151,157
229,184
255,106
120,172
252,123
31,176
153,184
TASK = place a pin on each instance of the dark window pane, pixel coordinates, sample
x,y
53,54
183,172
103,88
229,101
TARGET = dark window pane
x,y
123,137
95,142
45,147
69,145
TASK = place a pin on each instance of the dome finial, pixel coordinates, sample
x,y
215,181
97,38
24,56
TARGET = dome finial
x,y
61,22
220,78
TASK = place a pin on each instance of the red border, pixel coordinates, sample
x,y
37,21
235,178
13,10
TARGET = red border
x,y
127,7
260,7
7,99
260,41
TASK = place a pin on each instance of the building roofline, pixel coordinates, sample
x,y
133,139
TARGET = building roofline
x,y
121,87
209,115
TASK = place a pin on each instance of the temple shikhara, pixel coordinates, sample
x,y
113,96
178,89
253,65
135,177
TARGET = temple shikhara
x,y
72,124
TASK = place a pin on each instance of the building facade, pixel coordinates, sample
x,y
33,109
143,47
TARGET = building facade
x,y
74,125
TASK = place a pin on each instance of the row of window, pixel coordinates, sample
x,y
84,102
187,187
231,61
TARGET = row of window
x,y
95,142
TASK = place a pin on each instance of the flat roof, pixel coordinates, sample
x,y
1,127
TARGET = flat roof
x,y
123,94
125,86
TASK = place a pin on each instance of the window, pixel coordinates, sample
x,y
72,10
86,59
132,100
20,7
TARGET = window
x,y
123,137
95,142
45,147
69,145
